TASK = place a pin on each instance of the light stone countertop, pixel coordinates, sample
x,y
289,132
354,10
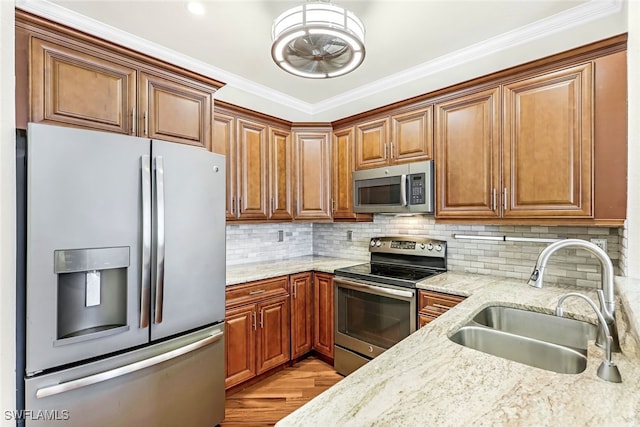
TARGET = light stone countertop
x,y
249,272
428,380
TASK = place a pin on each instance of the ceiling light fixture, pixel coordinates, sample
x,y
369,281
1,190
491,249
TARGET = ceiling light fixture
x,y
318,40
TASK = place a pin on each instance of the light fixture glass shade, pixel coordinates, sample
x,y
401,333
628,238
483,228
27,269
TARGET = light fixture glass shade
x,y
318,40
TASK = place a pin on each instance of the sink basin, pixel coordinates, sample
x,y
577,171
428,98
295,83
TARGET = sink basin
x,y
536,339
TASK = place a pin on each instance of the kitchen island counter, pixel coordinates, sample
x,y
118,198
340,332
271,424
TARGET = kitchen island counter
x,y
427,379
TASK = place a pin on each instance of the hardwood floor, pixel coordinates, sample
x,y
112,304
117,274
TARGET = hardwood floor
x,y
265,403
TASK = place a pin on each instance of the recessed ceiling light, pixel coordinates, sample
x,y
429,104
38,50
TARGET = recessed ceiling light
x,y
195,7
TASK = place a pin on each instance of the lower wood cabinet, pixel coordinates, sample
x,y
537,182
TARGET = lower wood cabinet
x,y
301,313
323,314
433,304
257,328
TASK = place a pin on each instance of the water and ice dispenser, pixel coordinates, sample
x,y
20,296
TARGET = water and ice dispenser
x,y
92,293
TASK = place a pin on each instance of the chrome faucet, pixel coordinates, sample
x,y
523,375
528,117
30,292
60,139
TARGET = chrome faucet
x,y
606,297
607,370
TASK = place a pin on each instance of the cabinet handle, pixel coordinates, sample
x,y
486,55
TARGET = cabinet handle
x,y
146,124
233,205
504,198
295,287
384,155
239,203
273,205
495,197
133,121
253,314
443,307
333,204
391,151
259,291
261,319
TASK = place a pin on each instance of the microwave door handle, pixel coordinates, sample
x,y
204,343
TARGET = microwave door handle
x,y
403,190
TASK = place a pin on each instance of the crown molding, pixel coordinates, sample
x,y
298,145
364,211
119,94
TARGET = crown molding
x,y
579,15
96,28
576,16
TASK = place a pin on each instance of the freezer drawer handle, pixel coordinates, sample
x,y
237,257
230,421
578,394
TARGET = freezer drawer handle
x,y
127,369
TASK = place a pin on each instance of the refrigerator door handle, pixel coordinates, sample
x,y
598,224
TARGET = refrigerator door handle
x,y
145,290
127,369
159,285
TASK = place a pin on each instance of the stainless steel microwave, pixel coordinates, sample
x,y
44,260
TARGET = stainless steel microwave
x,y
404,188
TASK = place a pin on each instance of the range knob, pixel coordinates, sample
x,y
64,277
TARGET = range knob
x,y
378,243
421,245
438,248
430,246
372,243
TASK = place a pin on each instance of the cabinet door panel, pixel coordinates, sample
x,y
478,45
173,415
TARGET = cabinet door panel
x,y
175,112
312,175
323,314
548,145
467,162
280,174
274,334
240,344
79,89
252,174
372,144
301,314
412,136
224,142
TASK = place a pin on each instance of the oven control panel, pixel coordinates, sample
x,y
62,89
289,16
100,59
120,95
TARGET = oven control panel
x,y
409,245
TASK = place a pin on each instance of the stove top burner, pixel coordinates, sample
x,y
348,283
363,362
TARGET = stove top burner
x,y
399,275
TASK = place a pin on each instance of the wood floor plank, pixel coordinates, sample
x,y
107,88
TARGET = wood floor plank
x,y
268,401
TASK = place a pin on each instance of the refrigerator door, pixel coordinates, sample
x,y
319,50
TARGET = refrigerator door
x,y
84,223
188,256
179,382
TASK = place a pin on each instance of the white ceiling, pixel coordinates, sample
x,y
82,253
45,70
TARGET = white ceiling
x,y
412,47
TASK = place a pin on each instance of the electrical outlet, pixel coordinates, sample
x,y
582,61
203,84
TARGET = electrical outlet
x,y
601,243
349,236
280,235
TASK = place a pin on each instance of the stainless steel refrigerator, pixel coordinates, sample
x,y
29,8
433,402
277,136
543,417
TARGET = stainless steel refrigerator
x,y
125,274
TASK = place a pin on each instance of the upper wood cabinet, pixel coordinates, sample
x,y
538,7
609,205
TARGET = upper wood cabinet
x,y
312,174
280,171
467,155
548,144
400,138
252,170
343,165
74,82
537,164
259,166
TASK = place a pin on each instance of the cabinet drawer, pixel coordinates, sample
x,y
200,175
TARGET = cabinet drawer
x,y
435,303
256,291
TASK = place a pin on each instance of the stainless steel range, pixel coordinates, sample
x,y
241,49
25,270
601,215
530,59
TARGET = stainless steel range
x,y
375,302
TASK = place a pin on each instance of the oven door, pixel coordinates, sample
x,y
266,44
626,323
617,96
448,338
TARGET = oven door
x,y
370,318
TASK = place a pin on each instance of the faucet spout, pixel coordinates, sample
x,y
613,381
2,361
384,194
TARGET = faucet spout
x,y
607,301
608,370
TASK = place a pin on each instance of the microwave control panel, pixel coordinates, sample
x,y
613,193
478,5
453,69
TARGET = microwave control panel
x,y
416,189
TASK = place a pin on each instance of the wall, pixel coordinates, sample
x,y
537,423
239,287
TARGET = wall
x,y
7,213
632,248
505,259
259,242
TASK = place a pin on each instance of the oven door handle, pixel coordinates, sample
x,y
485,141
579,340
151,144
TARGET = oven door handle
x,y
379,290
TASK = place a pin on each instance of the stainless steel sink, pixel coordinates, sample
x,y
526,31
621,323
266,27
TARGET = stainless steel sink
x,y
536,339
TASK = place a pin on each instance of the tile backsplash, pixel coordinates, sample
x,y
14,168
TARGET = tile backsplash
x,y
259,242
